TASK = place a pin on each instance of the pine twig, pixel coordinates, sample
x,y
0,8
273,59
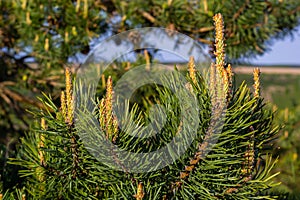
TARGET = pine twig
x,y
219,86
140,192
256,85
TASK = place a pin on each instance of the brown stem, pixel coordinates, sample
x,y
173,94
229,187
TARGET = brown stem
x,y
75,156
205,41
148,16
240,10
204,29
20,98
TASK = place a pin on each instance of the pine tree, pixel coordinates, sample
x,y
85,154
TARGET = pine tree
x,y
51,32
57,165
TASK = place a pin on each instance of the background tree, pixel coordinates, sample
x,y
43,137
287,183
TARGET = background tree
x,y
50,33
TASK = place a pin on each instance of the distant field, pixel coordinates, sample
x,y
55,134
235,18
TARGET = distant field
x,y
279,85
268,70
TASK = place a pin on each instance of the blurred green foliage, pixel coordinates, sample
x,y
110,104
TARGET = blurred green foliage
x,y
288,148
53,33
284,98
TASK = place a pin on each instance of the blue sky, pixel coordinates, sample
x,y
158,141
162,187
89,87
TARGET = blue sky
x,y
282,52
286,52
